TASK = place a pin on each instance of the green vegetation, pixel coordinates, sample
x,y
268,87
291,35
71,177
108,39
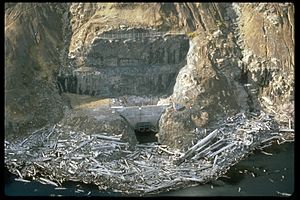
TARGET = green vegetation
x,y
192,34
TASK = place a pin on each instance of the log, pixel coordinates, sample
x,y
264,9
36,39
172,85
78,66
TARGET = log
x,y
286,130
81,145
42,159
210,148
23,141
165,150
199,180
220,150
22,180
60,188
52,130
266,153
48,181
270,138
19,173
166,185
205,167
190,151
283,194
215,161
126,163
104,137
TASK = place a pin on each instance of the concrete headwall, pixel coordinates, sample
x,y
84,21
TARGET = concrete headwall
x,y
137,114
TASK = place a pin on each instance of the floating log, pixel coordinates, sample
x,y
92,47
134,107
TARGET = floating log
x,y
208,149
22,180
48,181
283,194
81,145
220,150
270,138
165,185
104,137
60,188
266,153
52,130
165,150
19,173
286,130
190,151
215,161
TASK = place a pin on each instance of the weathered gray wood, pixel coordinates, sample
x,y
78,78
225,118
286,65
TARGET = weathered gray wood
x,y
51,132
49,182
165,150
143,168
190,151
22,180
104,137
168,184
286,130
81,145
270,138
208,149
220,150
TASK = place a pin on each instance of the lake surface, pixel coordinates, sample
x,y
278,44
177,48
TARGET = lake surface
x,y
257,175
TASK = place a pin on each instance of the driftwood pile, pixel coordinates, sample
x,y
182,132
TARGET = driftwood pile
x,y
55,154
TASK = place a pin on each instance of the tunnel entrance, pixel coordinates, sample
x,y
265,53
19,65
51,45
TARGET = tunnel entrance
x,y
145,132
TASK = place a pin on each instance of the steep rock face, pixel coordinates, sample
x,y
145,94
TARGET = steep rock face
x,y
128,66
234,68
91,19
267,32
32,43
209,86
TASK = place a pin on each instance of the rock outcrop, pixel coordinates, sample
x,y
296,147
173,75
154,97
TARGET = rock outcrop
x,y
33,41
235,68
113,67
268,43
99,120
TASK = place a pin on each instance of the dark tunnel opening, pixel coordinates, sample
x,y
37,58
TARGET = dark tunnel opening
x,y
145,132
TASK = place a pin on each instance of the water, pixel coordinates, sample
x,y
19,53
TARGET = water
x,y
258,175
262,175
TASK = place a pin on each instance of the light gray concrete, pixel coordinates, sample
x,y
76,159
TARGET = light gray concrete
x,y
135,114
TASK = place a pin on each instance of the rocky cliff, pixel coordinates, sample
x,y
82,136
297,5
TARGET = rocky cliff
x,y
33,40
214,59
128,65
267,39
235,67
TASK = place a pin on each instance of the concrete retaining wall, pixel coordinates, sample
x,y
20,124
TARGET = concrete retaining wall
x,y
137,114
